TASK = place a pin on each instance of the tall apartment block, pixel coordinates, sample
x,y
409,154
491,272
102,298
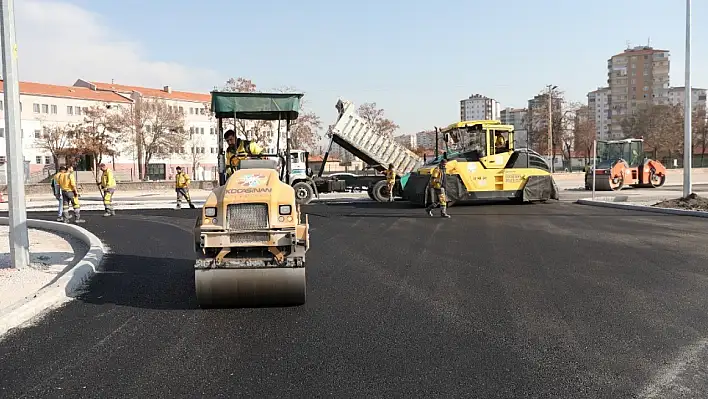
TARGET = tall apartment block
x,y
599,110
517,118
479,107
637,76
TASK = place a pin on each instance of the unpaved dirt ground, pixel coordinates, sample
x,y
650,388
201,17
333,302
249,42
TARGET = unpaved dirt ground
x,y
693,202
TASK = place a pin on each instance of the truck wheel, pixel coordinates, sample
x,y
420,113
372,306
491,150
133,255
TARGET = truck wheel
x,y
303,193
380,191
370,192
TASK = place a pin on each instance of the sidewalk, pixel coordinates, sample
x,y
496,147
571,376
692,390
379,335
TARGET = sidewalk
x,y
50,255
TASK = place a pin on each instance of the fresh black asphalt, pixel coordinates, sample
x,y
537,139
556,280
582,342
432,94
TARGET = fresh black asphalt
x,y
552,300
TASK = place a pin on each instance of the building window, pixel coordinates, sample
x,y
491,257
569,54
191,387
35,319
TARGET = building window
x,y
69,110
2,105
38,135
211,130
181,109
2,132
38,160
35,108
45,108
191,110
77,110
213,150
201,130
54,109
191,130
47,160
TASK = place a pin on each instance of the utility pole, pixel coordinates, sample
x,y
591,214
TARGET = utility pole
x,y
687,110
19,240
550,126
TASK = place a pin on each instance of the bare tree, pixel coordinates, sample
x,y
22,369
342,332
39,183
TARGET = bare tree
x,y
537,122
258,131
375,118
195,146
305,130
152,126
660,125
700,131
95,136
58,140
584,132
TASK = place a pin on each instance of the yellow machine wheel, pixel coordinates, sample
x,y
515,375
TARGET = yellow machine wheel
x,y
250,287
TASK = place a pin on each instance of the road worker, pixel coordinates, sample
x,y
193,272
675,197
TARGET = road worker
x,y
237,150
182,188
108,186
390,181
499,142
57,192
70,195
437,190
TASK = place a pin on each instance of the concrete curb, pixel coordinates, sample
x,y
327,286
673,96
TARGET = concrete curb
x,y
644,208
66,286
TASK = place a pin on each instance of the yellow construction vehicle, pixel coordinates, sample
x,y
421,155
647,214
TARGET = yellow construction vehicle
x,y
251,237
482,164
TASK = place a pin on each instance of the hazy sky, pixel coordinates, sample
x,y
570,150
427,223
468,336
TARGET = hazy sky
x,y
416,59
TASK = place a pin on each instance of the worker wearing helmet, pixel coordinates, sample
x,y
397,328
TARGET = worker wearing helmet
x,y
108,186
238,149
70,195
390,181
56,189
182,188
437,190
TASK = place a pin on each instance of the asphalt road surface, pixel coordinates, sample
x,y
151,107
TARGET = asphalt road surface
x,y
513,301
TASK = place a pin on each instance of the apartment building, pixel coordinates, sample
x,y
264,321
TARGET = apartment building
x,y
599,110
517,118
408,140
479,107
637,76
426,140
199,153
44,105
698,96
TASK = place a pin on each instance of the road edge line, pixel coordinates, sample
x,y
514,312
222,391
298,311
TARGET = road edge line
x,y
66,286
644,208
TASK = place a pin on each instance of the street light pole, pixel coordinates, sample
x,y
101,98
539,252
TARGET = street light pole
x,y
19,240
550,127
687,110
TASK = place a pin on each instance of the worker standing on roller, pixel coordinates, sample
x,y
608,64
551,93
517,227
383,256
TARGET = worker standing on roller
x,y
108,186
182,188
437,190
237,150
70,195
390,181
57,192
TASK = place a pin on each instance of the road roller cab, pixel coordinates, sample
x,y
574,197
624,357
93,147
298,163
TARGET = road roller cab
x,y
251,238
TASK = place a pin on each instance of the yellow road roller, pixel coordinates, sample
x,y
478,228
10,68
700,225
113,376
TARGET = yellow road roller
x,y
482,165
251,238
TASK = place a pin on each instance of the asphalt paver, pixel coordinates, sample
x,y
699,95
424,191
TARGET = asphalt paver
x,y
509,301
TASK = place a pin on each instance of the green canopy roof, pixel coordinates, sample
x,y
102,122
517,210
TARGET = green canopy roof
x,y
258,106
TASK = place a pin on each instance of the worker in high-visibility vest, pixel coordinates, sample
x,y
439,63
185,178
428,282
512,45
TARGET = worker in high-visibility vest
x,y
437,190
108,186
238,149
70,195
182,188
390,181
57,193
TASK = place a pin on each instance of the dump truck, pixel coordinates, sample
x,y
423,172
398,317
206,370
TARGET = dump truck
x,y
251,237
355,135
